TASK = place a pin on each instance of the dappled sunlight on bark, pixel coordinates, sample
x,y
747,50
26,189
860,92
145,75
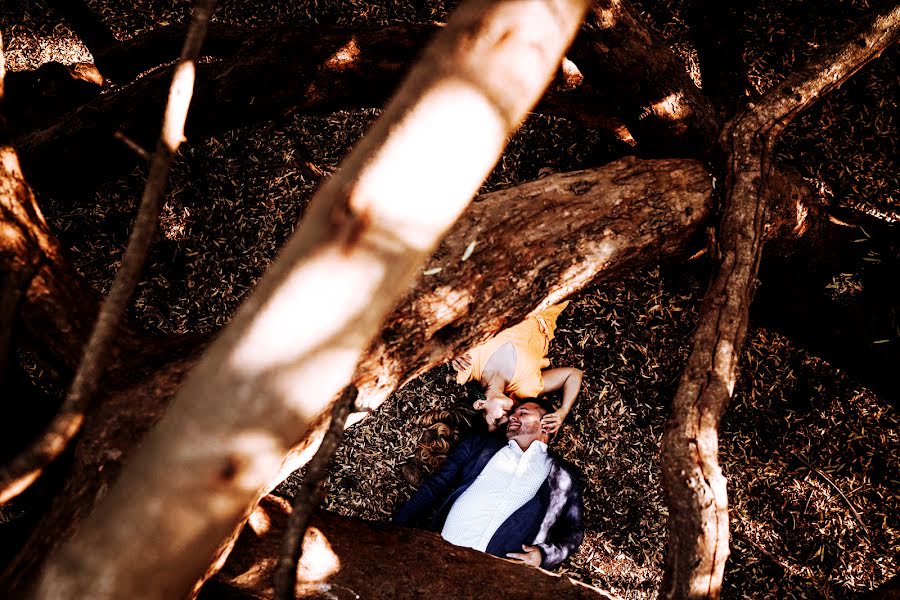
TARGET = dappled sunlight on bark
x,y
344,56
596,256
607,13
671,108
318,561
177,108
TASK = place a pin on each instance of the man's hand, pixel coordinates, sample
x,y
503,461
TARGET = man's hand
x,y
462,363
530,556
551,422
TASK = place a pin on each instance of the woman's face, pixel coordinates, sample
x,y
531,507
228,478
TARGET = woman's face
x,y
496,410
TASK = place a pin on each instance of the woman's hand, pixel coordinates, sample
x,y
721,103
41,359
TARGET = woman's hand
x,y
462,363
551,422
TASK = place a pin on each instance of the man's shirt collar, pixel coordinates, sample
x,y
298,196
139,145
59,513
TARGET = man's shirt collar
x,y
538,446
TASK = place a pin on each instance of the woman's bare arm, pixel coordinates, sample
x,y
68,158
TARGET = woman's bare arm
x,y
567,379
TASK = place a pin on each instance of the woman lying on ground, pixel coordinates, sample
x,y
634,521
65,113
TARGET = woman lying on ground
x,y
512,365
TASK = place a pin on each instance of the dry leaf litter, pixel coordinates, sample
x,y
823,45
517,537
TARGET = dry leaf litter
x,y
811,456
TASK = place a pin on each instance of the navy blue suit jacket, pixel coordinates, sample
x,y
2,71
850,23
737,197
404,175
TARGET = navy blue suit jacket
x,y
552,520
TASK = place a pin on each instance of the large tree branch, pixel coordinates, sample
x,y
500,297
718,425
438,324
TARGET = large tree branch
x,y
124,61
276,367
716,30
644,82
349,557
692,479
329,70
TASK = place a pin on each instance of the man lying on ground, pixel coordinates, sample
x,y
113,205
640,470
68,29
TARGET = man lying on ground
x,y
508,496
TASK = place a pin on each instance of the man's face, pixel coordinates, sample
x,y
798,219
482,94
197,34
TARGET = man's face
x,y
496,409
525,424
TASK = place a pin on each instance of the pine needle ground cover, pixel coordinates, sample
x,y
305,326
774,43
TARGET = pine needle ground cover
x,y
812,457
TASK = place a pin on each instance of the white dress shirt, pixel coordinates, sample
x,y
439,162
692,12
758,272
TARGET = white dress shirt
x,y
509,480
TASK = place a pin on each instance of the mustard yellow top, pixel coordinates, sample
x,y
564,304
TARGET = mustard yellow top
x,y
531,339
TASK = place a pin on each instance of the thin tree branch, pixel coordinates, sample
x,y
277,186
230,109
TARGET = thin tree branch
x,y
775,559
789,569
692,479
25,468
133,146
777,108
309,496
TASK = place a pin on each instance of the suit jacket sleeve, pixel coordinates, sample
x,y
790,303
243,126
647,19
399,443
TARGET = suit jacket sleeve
x,y
567,533
438,486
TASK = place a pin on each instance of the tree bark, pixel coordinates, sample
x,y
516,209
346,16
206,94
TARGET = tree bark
x,y
624,64
644,83
692,479
348,558
43,289
126,60
24,244
328,70
274,370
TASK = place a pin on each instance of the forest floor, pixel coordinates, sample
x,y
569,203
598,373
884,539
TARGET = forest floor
x,y
812,457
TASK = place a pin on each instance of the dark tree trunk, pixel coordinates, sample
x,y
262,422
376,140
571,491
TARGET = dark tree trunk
x,y
644,83
716,31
